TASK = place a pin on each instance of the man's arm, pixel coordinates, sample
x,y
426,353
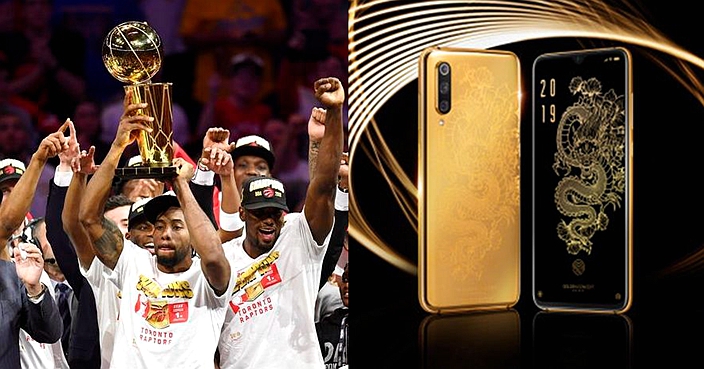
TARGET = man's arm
x,y
57,237
203,183
320,198
17,204
71,224
220,162
204,237
107,240
339,230
82,166
42,320
337,243
59,240
216,158
204,195
316,131
230,205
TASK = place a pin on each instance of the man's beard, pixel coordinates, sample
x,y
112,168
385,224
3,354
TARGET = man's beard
x,y
171,261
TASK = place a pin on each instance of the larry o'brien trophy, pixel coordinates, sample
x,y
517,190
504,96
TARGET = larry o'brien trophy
x,y
132,53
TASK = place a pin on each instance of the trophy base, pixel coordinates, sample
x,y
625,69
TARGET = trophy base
x,y
161,173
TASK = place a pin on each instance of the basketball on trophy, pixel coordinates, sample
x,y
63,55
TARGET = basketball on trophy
x,y
132,52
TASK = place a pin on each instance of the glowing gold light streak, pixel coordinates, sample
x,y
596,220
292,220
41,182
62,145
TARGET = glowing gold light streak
x,y
386,38
385,159
404,52
402,193
436,33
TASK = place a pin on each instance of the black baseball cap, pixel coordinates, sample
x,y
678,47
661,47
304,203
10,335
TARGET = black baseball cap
x,y
255,146
263,192
137,215
159,204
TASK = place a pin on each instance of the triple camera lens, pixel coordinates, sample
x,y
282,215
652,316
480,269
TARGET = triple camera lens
x,y
443,88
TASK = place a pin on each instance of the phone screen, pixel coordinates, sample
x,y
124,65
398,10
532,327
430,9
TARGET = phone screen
x,y
581,179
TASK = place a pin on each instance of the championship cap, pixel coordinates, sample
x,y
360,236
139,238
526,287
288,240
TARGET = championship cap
x,y
255,146
159,204
263,192
11,169
137,215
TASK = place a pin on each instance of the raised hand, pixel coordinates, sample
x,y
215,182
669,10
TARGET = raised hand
x,y
184,168
329,92
216,137
73,151
131,123
85,162
316,124
53,144
29,268
217,160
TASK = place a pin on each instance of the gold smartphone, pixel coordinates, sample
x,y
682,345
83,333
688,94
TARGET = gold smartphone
x,y
582,180
469,191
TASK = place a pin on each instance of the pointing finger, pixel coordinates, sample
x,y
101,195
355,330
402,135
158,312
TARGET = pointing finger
x,y
63,127
71,128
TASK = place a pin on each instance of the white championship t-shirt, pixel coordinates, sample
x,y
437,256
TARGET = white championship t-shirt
x,y
107,303
269,322
167,320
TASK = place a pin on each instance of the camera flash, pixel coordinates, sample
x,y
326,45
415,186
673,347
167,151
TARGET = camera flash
x,y
441,122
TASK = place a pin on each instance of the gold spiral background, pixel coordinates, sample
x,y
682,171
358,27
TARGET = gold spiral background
x,y
386,37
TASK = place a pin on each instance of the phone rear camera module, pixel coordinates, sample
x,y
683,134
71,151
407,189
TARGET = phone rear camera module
x,y
444,69
444,106
444,87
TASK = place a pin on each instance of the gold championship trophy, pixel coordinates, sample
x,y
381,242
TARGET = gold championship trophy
x,y
132,53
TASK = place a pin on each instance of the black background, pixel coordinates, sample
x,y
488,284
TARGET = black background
x,y
664,325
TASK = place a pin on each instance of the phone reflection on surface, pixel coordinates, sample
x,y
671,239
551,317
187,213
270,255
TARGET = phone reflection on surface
x,y
579,340
482,339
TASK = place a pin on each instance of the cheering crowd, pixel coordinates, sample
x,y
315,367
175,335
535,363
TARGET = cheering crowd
x,y
210,268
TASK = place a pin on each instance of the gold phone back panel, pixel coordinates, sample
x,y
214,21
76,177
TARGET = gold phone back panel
x,y
469,191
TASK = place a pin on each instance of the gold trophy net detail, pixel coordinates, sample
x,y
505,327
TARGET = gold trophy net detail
x,y
155,148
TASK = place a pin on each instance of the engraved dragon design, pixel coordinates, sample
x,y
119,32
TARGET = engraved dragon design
x,y
590,159
484,172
